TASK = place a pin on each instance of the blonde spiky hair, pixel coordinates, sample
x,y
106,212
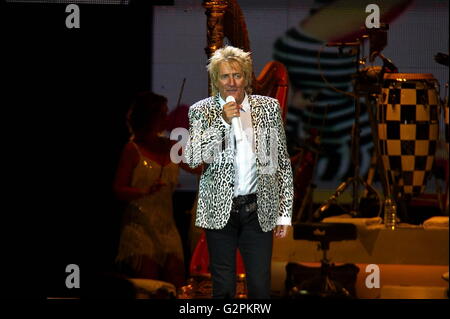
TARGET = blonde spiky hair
x,y
231,55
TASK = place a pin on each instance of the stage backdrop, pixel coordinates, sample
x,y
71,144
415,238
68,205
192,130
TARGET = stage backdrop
x,y
417,31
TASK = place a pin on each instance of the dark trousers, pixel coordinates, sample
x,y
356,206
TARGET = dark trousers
x,y
244,232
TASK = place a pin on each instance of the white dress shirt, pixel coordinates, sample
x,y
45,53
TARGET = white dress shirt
x,y
245,159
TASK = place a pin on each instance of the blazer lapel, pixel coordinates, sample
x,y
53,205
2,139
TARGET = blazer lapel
x,y
213,110
216,103
256,120
255,111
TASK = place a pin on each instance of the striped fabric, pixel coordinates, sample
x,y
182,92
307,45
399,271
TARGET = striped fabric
x,y
299,53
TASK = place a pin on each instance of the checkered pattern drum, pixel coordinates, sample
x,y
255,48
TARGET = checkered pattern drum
x,y
408,129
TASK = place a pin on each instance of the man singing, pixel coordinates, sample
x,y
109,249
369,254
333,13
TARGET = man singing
x,y
246,188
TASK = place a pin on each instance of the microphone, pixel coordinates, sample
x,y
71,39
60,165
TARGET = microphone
x,y
388,64
235,121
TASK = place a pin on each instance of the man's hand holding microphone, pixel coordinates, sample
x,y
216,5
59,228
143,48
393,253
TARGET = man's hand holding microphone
x,y
230,114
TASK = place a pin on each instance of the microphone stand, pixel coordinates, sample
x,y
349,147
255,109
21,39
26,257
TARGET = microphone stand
x,y
356,180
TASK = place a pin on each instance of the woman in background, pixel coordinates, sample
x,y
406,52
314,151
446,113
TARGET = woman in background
x,y
150,245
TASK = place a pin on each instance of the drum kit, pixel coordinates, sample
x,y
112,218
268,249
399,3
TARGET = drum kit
x,y
406,114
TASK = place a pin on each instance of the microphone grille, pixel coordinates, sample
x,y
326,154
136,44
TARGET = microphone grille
x,y
230,99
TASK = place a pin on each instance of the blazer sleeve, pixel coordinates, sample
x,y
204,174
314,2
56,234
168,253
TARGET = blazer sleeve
x,y
205,139
283,173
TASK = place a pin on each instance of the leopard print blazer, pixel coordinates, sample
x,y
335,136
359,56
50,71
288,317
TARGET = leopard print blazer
x,y
208,144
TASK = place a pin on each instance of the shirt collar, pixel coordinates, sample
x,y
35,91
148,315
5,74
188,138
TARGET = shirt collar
x,y
245,103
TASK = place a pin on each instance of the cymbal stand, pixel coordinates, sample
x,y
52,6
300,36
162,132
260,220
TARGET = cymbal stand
x,y
356,181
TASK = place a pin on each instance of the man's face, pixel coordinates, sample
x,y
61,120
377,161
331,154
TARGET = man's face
x,y
231,81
